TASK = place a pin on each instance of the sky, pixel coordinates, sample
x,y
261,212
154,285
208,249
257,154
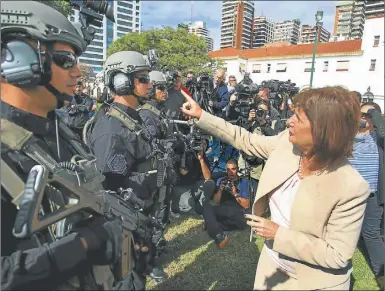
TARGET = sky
x,y
156,14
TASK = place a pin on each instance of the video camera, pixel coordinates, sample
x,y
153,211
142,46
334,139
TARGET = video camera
x,y
278,88
245,98
91,13
171,77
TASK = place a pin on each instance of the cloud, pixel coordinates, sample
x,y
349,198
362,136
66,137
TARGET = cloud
x,y
156,14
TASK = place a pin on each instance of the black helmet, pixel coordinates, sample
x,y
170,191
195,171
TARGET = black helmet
x,y
40,22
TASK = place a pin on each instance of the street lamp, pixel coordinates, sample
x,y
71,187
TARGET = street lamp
x,y
318,18
368,96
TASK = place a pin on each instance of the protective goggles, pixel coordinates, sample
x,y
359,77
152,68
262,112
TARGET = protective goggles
x,y
144,79
64,59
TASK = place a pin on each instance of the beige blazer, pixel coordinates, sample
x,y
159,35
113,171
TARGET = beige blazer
x,y
327,212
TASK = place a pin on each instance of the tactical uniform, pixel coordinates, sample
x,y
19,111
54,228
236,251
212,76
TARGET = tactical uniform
x,y
126,152
25,263
79,114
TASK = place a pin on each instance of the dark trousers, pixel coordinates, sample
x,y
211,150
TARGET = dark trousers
x,y
371,234
228,215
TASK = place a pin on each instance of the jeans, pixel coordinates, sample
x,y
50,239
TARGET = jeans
x,y
371,234
228,215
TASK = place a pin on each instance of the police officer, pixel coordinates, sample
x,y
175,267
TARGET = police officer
x,y
39,69
78,109
151,111
126,153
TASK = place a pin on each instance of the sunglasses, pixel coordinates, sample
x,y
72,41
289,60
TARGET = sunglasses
x,y
144,79
161,87
64,59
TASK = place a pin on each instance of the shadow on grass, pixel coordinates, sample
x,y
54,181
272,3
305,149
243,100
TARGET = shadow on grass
x,y
194,262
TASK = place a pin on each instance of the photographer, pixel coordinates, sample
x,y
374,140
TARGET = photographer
x,y
279,125
221,94
193,183
175,98
227,208
78,109
231,84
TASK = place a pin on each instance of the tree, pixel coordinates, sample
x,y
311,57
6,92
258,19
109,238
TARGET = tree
x,y
177,49
87,72
63,6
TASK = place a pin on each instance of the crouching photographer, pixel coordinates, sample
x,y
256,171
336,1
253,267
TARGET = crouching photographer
x,y
193,183
227,208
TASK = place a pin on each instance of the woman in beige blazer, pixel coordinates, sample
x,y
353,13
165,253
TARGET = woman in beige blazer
x,y
316,199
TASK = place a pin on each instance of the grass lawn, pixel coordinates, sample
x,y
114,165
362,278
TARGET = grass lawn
x,y
193,261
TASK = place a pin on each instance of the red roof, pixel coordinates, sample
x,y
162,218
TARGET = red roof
x,y
337,47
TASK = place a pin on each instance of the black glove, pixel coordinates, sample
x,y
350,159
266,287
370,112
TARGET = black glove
x,y
104,240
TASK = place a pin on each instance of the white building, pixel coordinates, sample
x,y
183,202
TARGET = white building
x,y
308,33
237,23
287,31
374,8
354,64
263,31
199,28
127,20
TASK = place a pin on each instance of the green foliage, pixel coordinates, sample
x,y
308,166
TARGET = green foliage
x,y
177,49
61,5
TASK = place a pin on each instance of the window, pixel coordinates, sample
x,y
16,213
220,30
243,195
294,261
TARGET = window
x,y
91,62
268,68
98,37
281,67
124,4
308,67
376,41
91,56
72,19
256,68
124,23
94,49
121,34
121,28
120,9
326,66
372,65
342,66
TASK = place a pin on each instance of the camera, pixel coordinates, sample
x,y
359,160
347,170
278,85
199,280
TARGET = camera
x,y
245,98
260,114
228,185
171,77
91,13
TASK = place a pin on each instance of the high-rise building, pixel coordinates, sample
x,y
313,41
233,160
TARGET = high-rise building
x,y
127,20
308,32
349,19
374,8
287,31
237,22
263,31
199,28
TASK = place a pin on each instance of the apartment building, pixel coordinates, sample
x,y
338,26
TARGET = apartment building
x,y
263,31
237,23
374,8
199,28
349,19
287,31
127,20
308,32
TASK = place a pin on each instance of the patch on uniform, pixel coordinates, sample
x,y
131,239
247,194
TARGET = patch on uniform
x,y
117,164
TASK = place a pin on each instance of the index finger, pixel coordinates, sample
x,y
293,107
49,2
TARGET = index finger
x,y
187,96
253,217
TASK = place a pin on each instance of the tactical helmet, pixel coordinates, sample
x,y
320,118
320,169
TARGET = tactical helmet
x,y
157,78
40,22
119,69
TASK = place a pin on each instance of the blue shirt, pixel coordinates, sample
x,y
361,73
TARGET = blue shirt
x,y
366,158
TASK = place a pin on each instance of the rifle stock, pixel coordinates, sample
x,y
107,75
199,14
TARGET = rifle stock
x,y
102,203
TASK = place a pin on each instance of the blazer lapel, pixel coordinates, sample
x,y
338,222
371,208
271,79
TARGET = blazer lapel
x,y
281,165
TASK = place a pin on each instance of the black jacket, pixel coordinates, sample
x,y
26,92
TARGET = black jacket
x,y
122,155
379,126
24,265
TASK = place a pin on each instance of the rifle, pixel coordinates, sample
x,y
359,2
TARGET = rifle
x,y
125,208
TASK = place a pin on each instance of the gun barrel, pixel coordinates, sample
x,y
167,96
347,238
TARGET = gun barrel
x,y
179,122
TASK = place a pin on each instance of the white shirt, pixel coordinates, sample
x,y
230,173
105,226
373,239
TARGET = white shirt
x,y
280,204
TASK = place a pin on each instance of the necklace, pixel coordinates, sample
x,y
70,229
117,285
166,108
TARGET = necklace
x,y
300,170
